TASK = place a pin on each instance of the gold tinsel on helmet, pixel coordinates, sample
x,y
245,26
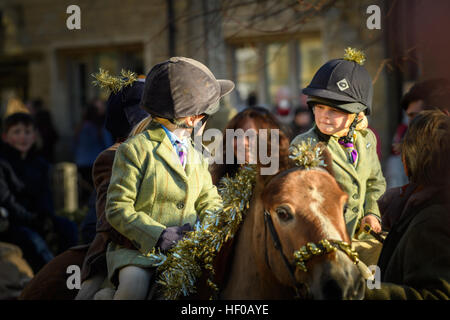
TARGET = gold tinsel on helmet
x,y
307,154
114,84
186,261
355,55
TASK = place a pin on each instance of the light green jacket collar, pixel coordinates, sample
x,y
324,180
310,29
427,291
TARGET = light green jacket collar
x,y
166,151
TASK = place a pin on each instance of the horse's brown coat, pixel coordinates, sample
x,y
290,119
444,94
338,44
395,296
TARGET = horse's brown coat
x,y
253,278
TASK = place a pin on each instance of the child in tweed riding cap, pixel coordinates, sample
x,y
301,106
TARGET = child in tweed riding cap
x,y
160,184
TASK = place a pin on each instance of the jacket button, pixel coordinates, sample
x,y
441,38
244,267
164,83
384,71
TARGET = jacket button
x,y
355,209
355,196
180,205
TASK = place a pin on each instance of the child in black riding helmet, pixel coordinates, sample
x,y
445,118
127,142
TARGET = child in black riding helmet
x,y
340,95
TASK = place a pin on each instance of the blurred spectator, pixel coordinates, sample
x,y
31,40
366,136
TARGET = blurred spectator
x,y
425,95
15,105
47,134
283,109
19,225
27,197
91,139
302,121
255,118
252,99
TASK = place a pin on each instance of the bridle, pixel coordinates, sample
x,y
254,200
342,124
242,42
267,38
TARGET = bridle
x,y
305,253
301,289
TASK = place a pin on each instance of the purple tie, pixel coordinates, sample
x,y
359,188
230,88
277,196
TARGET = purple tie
x,y
180,151
350,148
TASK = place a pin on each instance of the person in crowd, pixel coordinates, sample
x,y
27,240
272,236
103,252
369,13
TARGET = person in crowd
x,y
340,95
424,95
27,194
252,99
45,129
14,105
302,121
415,259
18,225
252,118
255,118
91,139
160,184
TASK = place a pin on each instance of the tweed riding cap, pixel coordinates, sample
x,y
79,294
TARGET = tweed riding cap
x,y
182,87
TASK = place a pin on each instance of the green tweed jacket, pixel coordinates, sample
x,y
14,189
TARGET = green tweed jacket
x,y
364,183
150,190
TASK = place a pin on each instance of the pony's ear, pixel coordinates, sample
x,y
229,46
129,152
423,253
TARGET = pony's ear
x,y
327,158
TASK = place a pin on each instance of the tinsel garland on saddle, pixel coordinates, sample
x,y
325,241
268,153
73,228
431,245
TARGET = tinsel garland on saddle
x,y
186,261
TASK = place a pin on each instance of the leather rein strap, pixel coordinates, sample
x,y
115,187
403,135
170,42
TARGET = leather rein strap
x,y
301,289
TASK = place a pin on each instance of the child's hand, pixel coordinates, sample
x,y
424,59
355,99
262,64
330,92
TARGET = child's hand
x,y
171,235
372,222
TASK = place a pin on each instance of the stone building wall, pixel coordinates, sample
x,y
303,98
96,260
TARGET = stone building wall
x,y
204,30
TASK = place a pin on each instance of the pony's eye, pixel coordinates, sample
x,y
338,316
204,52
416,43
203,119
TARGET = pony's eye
x,y
284,213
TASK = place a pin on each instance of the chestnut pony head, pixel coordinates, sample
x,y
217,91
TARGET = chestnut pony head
x,y
308,206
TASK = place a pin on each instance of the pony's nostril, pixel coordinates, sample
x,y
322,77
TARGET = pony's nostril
x,y
332,290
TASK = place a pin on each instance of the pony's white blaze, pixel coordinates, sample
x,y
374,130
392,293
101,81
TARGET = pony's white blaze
x,y
328,228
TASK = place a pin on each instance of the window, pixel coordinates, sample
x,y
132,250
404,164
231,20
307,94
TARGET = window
x,y
311,59
276,70
247,71
277,61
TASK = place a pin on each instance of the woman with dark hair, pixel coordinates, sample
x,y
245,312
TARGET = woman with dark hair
x,y
415,259
255,118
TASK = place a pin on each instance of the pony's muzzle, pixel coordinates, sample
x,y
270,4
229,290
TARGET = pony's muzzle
x,y
338,279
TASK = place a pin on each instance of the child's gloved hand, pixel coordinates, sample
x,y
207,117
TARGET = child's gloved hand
x,y
372,222
171,235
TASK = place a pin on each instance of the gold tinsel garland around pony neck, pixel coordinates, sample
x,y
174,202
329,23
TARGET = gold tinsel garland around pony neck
x,y
186,261
183,266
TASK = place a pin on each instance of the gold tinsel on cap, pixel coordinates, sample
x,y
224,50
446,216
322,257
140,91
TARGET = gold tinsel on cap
x,y
307,154
355,55
114,84
186,261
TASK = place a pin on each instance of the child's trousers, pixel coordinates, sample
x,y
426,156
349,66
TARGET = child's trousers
x,y
134,283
